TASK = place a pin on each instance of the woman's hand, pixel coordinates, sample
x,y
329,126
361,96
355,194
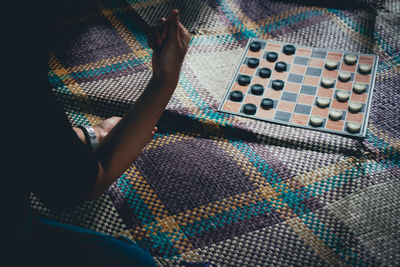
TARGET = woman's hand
x,y
169,40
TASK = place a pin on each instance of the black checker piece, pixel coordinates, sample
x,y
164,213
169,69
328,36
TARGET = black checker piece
x,y
280,66
244,79
255,46
289,49
257,89
277,84
267,103
236,96
264,72
253,62
249,109
272,56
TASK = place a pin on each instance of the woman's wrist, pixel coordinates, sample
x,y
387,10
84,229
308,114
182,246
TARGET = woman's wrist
x,y
164,81
81,135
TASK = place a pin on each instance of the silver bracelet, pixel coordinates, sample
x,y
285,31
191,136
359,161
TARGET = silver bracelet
x,y
90,136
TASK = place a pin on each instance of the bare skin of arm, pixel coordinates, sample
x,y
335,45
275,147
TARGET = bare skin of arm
x,y
122,139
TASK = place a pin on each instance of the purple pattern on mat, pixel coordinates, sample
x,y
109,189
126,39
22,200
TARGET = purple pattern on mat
x,y
78,44
253,11
182,188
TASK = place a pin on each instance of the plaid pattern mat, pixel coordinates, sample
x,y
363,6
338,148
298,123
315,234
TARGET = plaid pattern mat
x,y
225,190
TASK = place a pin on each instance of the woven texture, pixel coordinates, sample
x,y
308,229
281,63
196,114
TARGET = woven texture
x,y
229,191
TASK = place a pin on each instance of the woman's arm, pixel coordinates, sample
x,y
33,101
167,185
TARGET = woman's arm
x,y
125,141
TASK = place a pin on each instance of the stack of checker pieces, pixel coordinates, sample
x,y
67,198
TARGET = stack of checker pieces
x,y
286,84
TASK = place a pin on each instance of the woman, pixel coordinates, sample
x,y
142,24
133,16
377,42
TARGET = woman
x,y
52,159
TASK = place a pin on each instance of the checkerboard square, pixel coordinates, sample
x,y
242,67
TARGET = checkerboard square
x,y
301,60
330,74
362,78
314,71
295,78
359,97
282,116
311,80
344,85
244,69
325,92
256,54
318,53
266,64
292,87
336,56
231,106
256,100
274,47
271,93
351,68
334,125
259,80
285,58
302,109
323,112
287,96
300,119
339,105
298,69
279,75
358,117
366,60
305,99
303,51
308,89
286,106
265,113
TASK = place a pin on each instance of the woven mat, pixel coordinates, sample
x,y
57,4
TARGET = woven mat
x,y
224,190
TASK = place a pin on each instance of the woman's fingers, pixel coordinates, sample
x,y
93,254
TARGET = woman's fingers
x,y
173,25
157,33
184,34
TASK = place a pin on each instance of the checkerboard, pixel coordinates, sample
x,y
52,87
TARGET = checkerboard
x,y
296,103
